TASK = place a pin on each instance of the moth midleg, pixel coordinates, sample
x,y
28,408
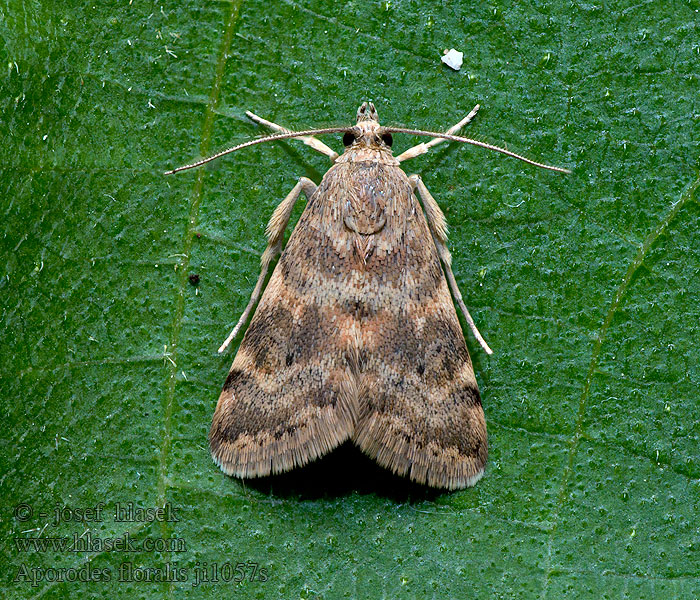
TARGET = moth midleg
x,y
424,147
438,228
309,140
275,232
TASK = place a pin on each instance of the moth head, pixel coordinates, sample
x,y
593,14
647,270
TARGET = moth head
x,y
367,112
367,132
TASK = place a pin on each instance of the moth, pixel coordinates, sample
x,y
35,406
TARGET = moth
x,y
356,336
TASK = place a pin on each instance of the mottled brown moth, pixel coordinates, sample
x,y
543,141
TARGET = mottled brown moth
x,y
356,336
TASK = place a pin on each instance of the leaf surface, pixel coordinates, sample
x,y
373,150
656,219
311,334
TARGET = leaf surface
x,y
585,286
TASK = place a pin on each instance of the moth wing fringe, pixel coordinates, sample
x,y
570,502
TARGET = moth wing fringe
x,y
433,466
249,457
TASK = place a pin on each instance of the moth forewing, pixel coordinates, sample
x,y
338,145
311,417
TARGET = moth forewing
x,y
356,336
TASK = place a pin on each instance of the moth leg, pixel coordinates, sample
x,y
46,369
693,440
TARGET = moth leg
x,y
309,140
274,232
424,147
438,228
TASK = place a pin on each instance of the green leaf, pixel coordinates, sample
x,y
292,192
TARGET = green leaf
x,y
585,286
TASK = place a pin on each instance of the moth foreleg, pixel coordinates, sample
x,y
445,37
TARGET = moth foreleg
x,y
309,140
438,228
275,232
423,148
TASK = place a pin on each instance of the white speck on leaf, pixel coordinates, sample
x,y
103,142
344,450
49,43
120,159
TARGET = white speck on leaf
x,y
453,59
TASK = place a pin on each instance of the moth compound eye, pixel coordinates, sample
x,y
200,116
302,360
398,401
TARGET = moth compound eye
x,y
348,139
388,139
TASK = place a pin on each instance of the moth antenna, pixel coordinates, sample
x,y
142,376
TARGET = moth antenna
x,y
269,138
457,138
